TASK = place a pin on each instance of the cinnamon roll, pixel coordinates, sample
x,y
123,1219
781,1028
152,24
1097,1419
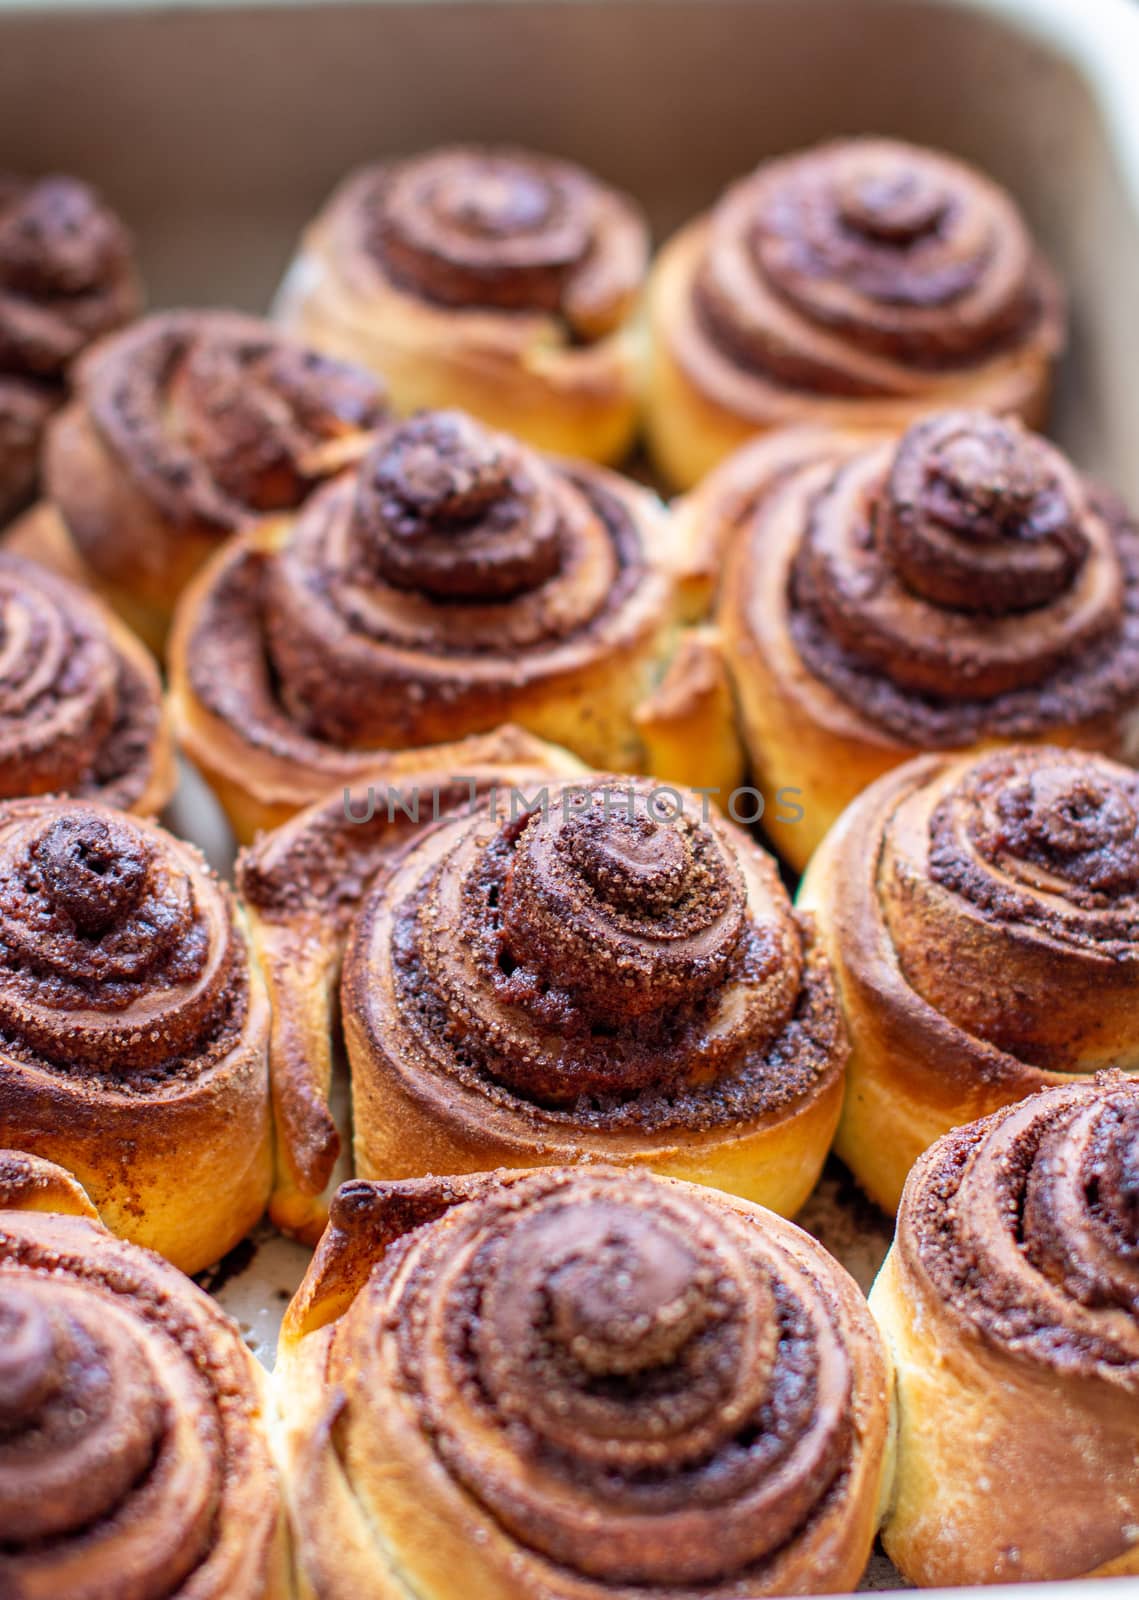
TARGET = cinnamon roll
x,y
1011,1302
456,581
982,918
494,280
183,430
593,971
857,284
302,886
133,1026
67,275
81,708
574,1384
958,587
133,1455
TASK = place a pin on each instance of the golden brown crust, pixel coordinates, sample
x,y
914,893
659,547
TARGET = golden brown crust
x,y
1010,1299
456,581
186,428
302,886
81,708
67,275
134,1026
588,1383
958,587
957,901
29,1183
630,985
688,723
495,280
132,1438
855,285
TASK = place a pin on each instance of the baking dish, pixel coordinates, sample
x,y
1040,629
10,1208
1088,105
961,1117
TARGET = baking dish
x,y
217,131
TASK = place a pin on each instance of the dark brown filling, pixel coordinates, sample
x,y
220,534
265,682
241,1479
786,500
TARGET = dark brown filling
x,y
971,591
1053,820
218,419
600,953
508,231
447,508
903,255
124,761
96,1357
648,1363
66,275
328,646
1063,1180
75,715
108,951
79,1424
977,516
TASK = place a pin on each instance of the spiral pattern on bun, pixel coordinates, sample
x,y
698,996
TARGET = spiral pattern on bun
x,y
955,587
186,428
629,983
134,1028
601,1380
80,699
457,580
957,900
505,229
132,1457
990,571
493,279
301,886
1018,1246
856,284
1027,1225
67,275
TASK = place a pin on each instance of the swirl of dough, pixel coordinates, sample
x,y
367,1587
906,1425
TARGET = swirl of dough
x,y
67,276
631,1383
132,1459
444,511
841,268
185,428
1011,1301
957,899
976,581
121,956
132,1019
861,284
492,279
957,586
80,700
455,581
629,974
510,230
1028,1223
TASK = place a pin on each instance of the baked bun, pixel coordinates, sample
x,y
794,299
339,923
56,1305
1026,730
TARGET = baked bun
x,y
133,1026
184,429
982,917
134,1460
302,886
67,275
573,1384
81,708
593,970
955,588
1010,1300
455,581
494,280
855,285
